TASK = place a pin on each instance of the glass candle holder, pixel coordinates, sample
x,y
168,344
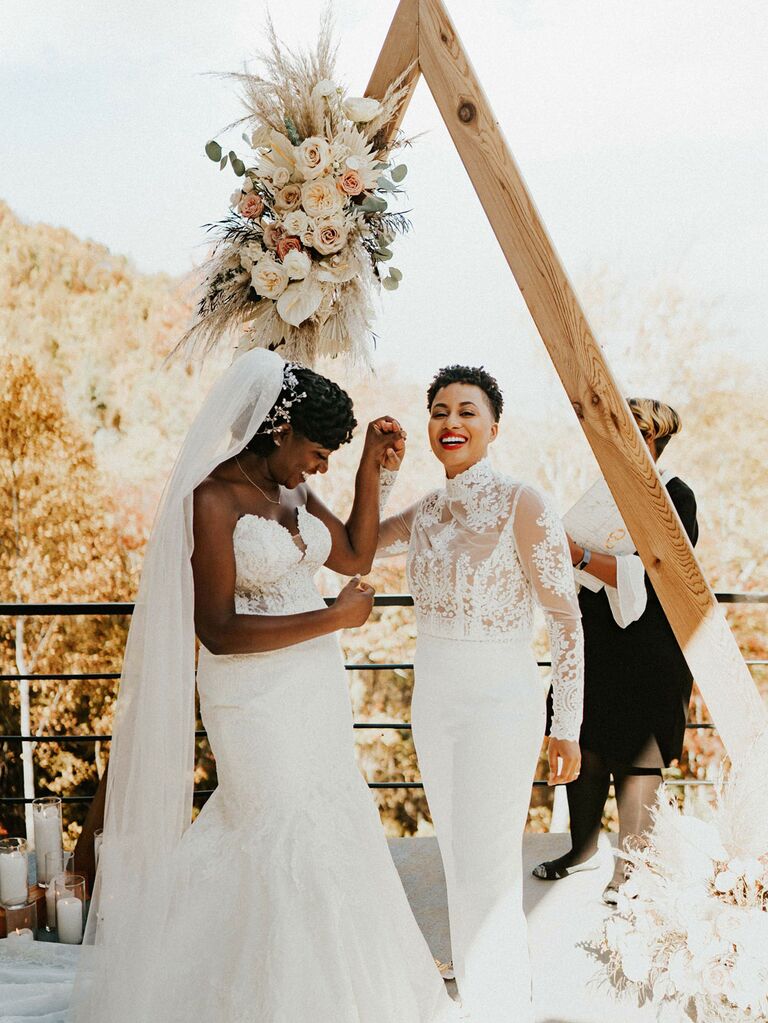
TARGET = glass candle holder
x,y
46,815
21,923
56,865
69,893
14,868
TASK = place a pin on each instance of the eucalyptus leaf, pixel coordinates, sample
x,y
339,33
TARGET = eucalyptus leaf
x,y
246,139
380,166
385,184
390,283
223,162
213,151
399,172
374,204
383,253
395,273
238,167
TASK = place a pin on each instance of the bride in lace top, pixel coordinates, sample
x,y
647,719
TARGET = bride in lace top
x,y
482,552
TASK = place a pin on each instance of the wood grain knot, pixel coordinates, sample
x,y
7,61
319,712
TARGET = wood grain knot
x,y
444,38
467,112
578,409
595,399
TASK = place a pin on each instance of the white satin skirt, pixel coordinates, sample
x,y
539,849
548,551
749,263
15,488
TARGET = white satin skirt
x,y
479,714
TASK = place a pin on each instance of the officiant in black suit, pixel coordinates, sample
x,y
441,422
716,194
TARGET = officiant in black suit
x,y
637,685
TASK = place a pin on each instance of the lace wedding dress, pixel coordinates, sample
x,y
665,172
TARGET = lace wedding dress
x,y
287,906
481,552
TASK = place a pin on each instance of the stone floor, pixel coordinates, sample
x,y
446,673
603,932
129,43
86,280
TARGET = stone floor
x,y
567,985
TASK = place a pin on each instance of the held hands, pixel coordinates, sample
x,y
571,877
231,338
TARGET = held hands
x,y
385,443
354,604
568,754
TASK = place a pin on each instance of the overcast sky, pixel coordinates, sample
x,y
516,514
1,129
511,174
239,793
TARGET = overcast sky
x,y
640,129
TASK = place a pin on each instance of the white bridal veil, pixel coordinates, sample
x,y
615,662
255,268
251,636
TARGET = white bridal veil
x,y
149,790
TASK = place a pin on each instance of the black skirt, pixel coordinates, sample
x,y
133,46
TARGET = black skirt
x,y
637,685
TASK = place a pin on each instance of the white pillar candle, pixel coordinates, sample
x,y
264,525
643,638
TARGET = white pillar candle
x,y
69,920
20,937
48,838
13,878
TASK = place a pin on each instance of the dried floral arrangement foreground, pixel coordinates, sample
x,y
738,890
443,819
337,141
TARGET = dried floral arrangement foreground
x,y
691,929
303,249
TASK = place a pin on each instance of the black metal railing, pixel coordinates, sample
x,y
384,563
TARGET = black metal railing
x,y
384,600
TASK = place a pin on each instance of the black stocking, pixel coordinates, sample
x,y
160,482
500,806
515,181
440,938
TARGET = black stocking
x,y
586,799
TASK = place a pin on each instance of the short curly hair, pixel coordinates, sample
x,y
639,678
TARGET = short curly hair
x,y
324,416
476,375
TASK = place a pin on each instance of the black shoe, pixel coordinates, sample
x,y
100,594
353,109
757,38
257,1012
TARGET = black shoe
x,y
551,870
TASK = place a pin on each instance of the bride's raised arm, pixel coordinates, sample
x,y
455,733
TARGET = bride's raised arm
x,y
543,550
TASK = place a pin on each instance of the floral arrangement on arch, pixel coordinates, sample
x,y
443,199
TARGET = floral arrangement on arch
x,y
309,230
690,932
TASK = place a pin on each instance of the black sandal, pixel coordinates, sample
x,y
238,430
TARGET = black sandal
x,y
550,871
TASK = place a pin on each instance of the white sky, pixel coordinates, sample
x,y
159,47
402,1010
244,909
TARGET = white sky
x,y
639,127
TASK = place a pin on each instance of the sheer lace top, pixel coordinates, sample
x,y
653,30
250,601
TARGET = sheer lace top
x,y
481,551
275,569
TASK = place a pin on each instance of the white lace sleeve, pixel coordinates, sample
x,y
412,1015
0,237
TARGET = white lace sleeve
x,y
395,531
542,548
387,480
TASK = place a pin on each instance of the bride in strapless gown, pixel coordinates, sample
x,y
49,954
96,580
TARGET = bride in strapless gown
x,y
281,902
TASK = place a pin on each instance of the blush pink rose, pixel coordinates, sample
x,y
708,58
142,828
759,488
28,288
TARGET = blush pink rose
x,y
286,245
251,206
350,183
272,234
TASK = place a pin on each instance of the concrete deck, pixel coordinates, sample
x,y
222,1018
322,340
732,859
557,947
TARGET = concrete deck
x,y
567,985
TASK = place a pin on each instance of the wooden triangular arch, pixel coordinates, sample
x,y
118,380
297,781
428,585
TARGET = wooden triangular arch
x,y
422,40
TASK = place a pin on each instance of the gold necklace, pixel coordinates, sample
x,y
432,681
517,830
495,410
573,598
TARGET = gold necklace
x,y
270,499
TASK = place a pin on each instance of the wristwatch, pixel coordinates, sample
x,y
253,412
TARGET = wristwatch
x,y
585,560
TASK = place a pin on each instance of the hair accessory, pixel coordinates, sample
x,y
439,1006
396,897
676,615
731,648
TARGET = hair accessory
x,y
280,414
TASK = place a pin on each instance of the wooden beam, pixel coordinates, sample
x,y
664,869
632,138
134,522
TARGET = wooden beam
x,y
698,623
399,56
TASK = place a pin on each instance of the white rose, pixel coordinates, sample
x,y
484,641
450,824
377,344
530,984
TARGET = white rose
x,y
249,254
269,278
298,264
715,978
296,223
339,268
321,198
330,235
281,176
313,157
299,301
361,109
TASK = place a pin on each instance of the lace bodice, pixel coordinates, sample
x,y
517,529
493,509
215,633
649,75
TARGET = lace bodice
x,y
481,552
275,570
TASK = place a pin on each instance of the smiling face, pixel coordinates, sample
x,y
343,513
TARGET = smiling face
x,y
296,458
461,426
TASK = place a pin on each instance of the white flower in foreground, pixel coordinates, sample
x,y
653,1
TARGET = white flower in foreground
x,y
296,223
269,278
325,88
725,881
313,157
361,109
321,198
298,264
299,301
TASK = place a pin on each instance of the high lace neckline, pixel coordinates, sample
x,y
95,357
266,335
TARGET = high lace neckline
x,y
466,483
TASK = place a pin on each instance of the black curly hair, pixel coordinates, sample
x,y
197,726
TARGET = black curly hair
x,y
324,416
476,375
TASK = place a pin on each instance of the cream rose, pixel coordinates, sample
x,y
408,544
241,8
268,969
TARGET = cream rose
x,y
251,206
330,235
296,222
288,198
361,109
313,157
297,264
280,176
350,182
269,278
320,198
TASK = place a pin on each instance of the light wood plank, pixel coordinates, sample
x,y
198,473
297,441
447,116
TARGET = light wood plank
x,y
399,54
699,624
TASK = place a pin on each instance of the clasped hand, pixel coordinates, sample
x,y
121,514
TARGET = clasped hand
x,y
385,443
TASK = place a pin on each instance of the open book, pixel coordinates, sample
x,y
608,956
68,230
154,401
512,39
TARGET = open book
x,y
595,522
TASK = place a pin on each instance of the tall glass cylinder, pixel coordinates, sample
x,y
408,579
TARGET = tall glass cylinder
x,y
21,923
13,871
70,907
46,815
55,865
